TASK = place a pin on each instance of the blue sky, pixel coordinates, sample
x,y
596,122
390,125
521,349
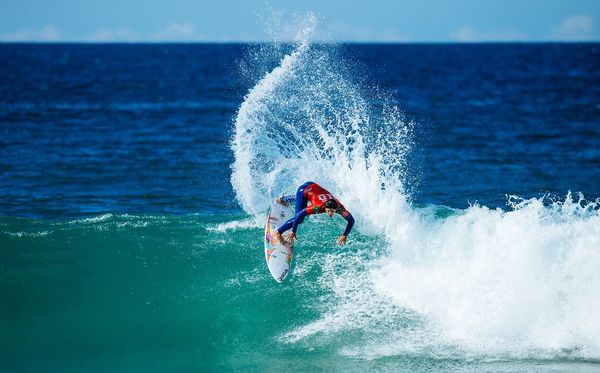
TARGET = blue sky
x,y
250,20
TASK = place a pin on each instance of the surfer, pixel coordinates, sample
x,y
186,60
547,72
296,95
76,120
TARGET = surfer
x,y
320,201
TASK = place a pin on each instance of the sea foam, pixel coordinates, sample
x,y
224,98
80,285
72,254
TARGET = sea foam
x,y
521,281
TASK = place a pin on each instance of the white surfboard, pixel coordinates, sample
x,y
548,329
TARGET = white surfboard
x,y
278,256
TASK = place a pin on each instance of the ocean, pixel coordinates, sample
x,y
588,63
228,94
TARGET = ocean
x,y
135,180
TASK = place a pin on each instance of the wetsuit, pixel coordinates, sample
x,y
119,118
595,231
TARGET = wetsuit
x,y
317,196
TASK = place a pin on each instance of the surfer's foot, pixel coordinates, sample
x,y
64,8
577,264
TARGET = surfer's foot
x,y
276,238
281,202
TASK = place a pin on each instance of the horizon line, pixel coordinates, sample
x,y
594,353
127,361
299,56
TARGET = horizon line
x,y
550,41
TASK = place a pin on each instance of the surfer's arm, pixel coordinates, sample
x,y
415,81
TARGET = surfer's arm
x,y
350,219
298,219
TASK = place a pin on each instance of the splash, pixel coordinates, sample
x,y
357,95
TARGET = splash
x,y
305,120
476,282
521,282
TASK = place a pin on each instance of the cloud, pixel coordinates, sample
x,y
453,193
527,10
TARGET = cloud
x,y
173,32
113,35
575,28
183,32
47,33
366,34
468,34
464,34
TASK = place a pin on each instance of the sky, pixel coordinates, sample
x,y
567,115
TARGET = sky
x,y
255,20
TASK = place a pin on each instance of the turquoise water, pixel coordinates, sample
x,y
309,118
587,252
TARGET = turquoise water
x,y
152,293
192,293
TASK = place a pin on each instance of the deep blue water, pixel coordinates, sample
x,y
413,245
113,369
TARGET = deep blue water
x,y
87,129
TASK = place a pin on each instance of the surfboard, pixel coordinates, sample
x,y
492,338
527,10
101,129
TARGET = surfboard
x,y
279,256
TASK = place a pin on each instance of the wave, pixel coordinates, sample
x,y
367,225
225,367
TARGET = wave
x,y
235,225
521,281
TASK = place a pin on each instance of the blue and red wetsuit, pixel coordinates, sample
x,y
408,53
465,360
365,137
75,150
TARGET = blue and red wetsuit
x,y
317,196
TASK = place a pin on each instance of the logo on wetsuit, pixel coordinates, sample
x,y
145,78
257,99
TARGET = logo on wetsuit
x,y
339,210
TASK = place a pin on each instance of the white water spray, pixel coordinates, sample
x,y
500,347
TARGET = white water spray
x,y
523,282
305,121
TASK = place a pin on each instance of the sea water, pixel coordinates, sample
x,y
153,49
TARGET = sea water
x,y
134,181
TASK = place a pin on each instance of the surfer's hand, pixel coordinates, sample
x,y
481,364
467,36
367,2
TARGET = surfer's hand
x,y
342,240
278,200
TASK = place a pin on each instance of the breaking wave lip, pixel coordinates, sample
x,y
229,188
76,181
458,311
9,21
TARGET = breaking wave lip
x,y
235,225
474,282
518,282
28,234
93,220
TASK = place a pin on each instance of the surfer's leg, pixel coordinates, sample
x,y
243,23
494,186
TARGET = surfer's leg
x,y
301,203
301,200
276,237
285,226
